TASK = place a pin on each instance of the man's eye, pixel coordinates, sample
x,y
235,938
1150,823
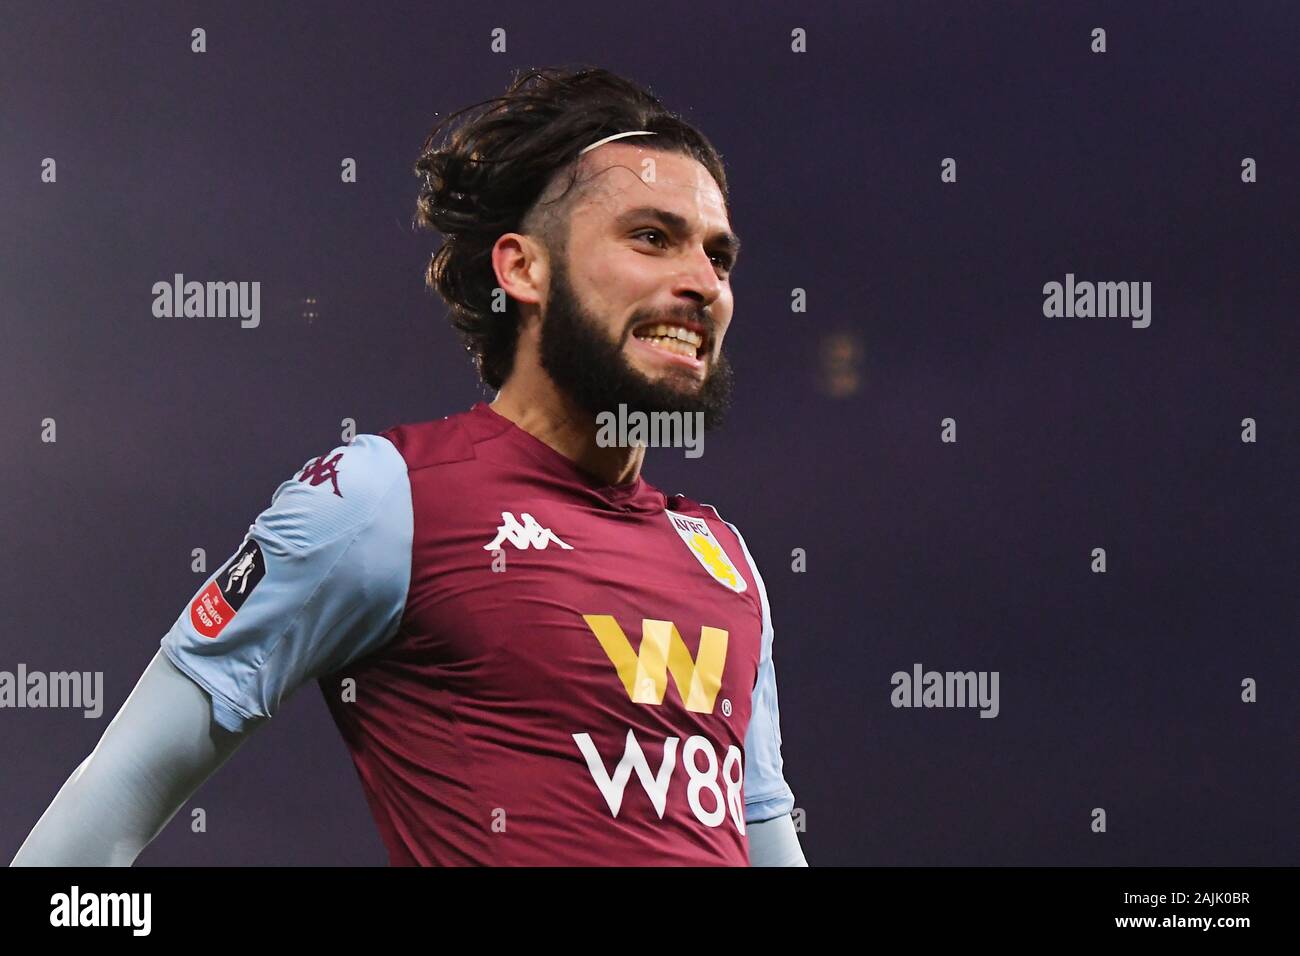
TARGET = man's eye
x,y
722,259
649,232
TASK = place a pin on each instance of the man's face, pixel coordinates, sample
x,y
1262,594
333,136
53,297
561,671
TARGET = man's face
x,y
640,301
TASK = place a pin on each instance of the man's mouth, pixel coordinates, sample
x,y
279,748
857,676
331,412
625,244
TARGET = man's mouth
x,y
685,339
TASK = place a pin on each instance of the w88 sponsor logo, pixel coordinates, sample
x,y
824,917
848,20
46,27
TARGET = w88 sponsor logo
x,y
712,791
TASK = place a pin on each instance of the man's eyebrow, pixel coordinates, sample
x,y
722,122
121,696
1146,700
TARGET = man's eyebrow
x,y
724,240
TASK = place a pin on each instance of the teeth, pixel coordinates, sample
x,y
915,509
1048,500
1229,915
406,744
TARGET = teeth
x,y
670,344
672,333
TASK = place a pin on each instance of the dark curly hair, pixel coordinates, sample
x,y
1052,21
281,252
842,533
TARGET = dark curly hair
x,y
487,176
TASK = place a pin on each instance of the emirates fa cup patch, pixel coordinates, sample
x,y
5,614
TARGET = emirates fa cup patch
x,y
707,550
225,594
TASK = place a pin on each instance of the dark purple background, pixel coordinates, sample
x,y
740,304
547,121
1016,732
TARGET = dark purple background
x,y
1118,690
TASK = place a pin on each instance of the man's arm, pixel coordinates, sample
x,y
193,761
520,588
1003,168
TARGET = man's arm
x,y
768,797
159,748
774,843
319,580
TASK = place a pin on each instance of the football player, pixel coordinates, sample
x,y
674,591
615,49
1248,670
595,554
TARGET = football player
x,y
535,656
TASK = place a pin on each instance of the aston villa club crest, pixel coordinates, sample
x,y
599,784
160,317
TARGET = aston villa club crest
x,y
707,550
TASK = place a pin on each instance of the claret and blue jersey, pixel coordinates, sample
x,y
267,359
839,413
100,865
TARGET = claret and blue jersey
x,y
528,667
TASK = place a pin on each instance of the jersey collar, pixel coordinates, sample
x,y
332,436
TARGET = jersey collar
x,y
635,495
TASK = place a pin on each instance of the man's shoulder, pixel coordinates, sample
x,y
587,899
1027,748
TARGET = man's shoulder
x,y
437,441
334,493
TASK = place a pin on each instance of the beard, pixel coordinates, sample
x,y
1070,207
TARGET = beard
x,y
593,370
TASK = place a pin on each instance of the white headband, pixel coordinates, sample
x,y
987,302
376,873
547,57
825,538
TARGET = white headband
x,y
602,142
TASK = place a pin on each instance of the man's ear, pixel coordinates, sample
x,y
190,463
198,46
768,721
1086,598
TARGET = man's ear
x,y
521,267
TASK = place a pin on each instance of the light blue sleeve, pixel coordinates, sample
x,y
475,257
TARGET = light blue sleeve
x,y
767,795
320,580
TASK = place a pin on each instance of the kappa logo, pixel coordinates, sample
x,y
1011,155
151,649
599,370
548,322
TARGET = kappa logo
x,y
523,536
644,672
707,550
322,469
214,606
